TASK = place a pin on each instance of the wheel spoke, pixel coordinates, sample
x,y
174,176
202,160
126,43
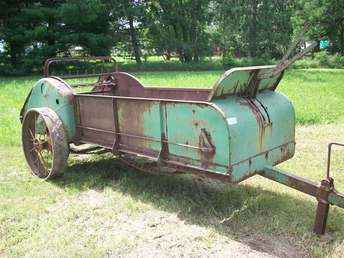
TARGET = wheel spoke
x,y
32,149
44,164
33,138
40,142
34,124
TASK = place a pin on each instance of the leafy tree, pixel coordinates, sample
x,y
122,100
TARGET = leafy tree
x,y
180,26
36,30
85,23
255,28
324,18
42,28
12,31
127,18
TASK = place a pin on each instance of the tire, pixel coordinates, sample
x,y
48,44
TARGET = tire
x,y
45,142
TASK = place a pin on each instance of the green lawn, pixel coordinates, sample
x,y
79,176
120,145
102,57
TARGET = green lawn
x,y
100,208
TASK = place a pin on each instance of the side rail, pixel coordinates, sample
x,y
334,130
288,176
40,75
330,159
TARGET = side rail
x,y
325,193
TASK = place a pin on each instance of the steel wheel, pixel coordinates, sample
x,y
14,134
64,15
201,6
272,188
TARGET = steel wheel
x,y
44,142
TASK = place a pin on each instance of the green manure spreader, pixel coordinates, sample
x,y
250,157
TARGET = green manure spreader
x,y
240,128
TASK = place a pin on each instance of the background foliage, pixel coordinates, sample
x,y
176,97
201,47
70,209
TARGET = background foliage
x,y
257,31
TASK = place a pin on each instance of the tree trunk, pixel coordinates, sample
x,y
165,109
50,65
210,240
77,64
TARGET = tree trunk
x,y
51,41
14,52
134,41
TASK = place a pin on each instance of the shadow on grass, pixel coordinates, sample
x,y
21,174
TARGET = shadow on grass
x,y
248,214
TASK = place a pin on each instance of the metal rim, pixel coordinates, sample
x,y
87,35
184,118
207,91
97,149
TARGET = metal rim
x,y
44,142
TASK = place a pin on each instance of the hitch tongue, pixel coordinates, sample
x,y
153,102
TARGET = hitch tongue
x,y
325,193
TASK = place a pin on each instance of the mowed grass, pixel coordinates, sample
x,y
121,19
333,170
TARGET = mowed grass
x,y
100,208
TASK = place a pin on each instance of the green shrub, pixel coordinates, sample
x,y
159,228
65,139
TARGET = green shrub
x,y
320,59
306,63
228,60
329,61
323,58
338,61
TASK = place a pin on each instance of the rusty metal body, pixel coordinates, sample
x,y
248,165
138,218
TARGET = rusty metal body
x,y
240,128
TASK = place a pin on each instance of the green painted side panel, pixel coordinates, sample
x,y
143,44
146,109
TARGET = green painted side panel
x,y
152,125
262,131
139,125
236,81
52,93
145,124
185,122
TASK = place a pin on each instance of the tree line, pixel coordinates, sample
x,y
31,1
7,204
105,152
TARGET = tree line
x,y
31,31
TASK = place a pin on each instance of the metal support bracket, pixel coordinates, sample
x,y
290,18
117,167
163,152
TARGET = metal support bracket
x,y
325,188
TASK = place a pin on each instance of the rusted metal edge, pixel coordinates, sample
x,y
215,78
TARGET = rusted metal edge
x,y
262,153
82,76
151,88
299,183
50,61
164,153
274,87
78,121
22,110
164,140
116,126
90,94
328,167
178,89
76,150
186,169
228,72
196,170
